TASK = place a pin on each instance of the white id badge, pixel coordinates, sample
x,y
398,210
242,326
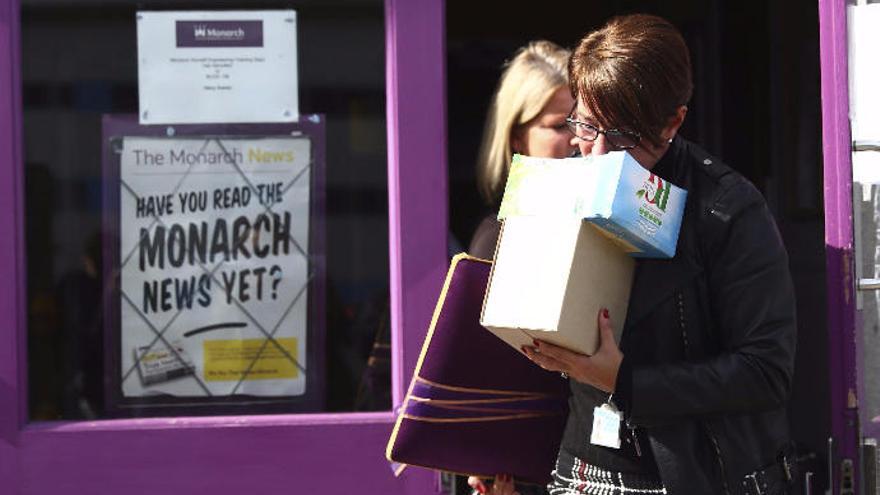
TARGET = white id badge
x,y
606,426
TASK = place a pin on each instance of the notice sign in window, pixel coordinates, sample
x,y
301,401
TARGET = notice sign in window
x,y
214,266
217,67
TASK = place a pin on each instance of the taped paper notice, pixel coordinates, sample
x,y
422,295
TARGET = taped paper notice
x,y
214,240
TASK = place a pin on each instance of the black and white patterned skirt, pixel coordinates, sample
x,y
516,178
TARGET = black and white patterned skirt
x,y
573,476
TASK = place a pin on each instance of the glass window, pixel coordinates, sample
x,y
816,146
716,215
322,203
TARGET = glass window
x,y
206,268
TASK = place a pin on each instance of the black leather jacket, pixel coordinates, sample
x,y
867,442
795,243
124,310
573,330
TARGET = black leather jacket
x,y
709,339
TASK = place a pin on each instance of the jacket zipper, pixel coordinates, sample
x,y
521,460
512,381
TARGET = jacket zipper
x,y
632,431
718,456
708,429
635,437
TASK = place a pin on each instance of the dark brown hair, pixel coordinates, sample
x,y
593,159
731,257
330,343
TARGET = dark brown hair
x,y
632,74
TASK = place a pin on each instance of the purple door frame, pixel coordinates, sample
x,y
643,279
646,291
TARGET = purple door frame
x,y
318,453
13,387
840,262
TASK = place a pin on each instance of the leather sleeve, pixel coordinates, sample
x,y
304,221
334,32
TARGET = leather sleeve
x,y
623,388
752,310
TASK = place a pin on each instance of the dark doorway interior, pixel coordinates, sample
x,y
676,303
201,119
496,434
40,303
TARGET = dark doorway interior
x,y
756,106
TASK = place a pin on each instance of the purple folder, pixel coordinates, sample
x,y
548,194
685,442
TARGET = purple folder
x,y
475,405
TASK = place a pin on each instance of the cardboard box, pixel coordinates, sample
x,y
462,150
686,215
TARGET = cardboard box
x,y
550,279
638,209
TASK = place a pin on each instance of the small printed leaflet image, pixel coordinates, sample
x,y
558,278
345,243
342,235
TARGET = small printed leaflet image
x,y
214,265
160,363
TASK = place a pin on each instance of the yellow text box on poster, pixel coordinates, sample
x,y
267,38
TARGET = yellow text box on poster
x,y
227,360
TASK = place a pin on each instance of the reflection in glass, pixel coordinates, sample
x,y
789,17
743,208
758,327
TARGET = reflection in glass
x,y
66,94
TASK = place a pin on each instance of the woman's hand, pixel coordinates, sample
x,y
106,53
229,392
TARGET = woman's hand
x,y
598,370
503,485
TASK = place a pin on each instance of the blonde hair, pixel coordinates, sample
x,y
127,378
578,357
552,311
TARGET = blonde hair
x,y
528,82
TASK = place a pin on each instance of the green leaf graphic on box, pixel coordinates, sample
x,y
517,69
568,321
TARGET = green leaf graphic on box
x,y
640,193
511,203
511,194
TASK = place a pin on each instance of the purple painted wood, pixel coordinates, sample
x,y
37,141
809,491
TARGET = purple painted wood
x,y
233,456
840,263
218,455
417,179
340,453
12,347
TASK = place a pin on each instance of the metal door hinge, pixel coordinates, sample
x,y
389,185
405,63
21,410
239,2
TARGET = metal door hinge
x,y
866,145
869,283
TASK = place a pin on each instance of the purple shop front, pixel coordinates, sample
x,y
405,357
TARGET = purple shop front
x,y
374,95
243,453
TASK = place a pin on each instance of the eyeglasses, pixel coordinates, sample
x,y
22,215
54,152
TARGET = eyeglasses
x,y
617,139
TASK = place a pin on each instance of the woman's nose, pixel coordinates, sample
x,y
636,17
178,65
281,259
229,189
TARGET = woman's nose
x,y
584,146
600,146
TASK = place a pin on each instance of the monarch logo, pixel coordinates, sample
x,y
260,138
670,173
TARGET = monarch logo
x,y
219,33
655,191
200,31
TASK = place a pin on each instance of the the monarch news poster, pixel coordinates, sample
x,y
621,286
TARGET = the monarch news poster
x,y
214,266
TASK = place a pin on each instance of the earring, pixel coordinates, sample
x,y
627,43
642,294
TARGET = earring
x,y
670,140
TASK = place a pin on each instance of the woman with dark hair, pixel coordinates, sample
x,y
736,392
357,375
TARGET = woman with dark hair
x,y
703,372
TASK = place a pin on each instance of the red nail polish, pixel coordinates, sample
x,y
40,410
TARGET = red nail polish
x,y
536,342
605,313
481,488
524,349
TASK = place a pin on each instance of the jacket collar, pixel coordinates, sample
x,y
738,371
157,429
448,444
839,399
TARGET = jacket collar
x,y
656,280
672,165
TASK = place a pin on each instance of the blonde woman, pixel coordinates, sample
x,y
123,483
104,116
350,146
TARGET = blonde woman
x,y
527,116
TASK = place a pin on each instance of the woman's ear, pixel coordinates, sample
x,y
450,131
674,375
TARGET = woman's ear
x,y
674,123
517,143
